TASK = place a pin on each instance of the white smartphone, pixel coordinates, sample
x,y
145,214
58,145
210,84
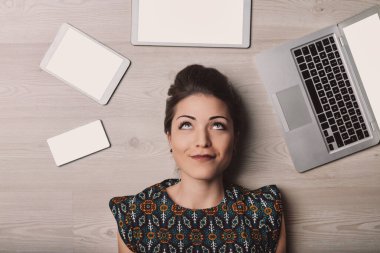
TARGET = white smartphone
x,y
78,143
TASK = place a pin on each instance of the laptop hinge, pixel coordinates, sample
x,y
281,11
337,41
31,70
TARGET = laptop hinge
x,y
341,41
372,126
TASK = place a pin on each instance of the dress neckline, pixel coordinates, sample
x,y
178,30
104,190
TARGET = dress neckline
x,y
172,181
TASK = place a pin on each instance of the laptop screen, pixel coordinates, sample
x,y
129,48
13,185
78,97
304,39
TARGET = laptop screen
x,y
363,39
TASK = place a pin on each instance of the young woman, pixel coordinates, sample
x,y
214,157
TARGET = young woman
x,y
200,212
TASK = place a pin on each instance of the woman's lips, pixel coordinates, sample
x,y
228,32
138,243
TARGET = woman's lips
x,y
203,157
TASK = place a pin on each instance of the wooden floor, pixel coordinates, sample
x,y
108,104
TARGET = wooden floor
x,y
44,208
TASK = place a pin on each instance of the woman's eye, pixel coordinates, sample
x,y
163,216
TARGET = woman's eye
x,y
185,125
219,126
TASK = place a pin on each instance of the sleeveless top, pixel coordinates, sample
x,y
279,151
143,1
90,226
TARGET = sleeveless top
x,y
245,221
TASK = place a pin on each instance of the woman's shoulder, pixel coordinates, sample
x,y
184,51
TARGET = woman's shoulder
x,y
267,191
268,195
149,193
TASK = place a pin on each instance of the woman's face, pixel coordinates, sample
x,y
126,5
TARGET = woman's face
x,y
202,136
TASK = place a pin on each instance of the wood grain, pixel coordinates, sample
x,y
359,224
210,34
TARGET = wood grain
x,y
44,208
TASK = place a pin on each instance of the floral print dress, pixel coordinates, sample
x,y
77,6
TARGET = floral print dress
x,y
245,221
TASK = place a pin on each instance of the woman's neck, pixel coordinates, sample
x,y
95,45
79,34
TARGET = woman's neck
x,y
194,193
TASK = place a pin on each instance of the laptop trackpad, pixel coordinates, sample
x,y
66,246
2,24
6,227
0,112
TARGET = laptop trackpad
x,y
293,107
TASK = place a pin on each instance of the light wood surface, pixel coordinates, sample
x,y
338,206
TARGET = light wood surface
x,y
44,208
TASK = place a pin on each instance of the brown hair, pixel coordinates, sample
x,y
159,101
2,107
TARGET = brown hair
x,y
198,79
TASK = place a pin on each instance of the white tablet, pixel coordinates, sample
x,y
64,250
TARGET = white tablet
x,y
203,23
84,63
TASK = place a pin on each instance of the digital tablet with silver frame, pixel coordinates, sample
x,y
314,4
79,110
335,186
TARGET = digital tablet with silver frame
x,y
84,63
196,23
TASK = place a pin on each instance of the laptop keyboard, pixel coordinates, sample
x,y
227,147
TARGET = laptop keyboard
x,y
331,93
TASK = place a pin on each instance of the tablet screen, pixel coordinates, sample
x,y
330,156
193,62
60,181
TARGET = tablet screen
x,y
191,21
84,63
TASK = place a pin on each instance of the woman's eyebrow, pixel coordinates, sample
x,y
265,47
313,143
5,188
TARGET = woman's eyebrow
x,y
215,117
187,116
211,118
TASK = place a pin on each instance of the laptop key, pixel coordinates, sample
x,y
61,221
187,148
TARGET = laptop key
x,y
326,42
322,118
297,52
348,141
303,66
319,46
300,59
305,50
330,139
360,134
338,139
314,96
313,49
305,74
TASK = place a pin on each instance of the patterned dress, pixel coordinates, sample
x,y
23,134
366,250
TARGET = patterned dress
x,y
245,221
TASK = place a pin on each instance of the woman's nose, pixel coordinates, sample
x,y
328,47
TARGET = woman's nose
x,y
203,138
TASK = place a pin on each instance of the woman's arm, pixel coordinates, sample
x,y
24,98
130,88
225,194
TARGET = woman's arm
x,y
121,245
281,246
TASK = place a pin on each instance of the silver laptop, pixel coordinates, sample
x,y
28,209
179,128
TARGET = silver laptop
x,y
325,89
